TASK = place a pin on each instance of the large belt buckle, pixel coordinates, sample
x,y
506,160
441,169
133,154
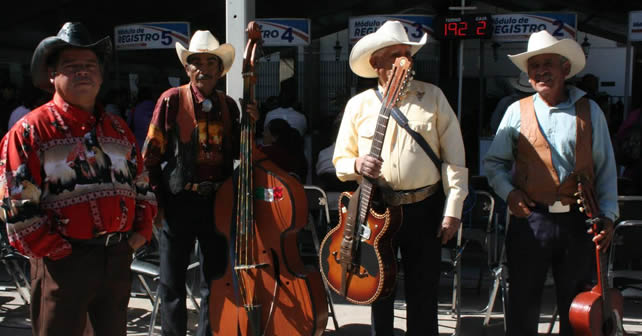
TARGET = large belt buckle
x,y
205,188
109,237
558,207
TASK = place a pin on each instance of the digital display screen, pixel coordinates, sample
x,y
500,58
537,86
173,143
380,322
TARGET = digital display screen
x,y
468,26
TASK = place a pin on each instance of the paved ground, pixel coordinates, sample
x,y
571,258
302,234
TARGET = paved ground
x,y
353,320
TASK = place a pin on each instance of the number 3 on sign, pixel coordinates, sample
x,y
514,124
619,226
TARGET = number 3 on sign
x,y
287,35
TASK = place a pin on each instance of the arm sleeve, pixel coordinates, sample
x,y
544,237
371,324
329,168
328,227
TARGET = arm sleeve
x,y
604,164
453,170
30,229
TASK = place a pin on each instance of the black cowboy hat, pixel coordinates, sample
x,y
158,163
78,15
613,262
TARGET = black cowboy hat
x,y
72,34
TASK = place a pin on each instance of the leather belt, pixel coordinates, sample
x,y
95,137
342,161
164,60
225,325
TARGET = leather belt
x,y
409,196
205,188
107,239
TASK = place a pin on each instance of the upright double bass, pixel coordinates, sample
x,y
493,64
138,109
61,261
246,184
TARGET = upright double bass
x,y
266,289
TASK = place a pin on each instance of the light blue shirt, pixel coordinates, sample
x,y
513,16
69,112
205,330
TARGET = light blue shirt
x,y
558,125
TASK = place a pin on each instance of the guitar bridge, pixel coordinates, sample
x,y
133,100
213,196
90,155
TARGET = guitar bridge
x,y
364,232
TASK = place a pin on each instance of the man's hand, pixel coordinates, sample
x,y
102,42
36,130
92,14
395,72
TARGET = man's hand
x,y
368,166
519,204
160,216
604,237
448,229
136,240
252,110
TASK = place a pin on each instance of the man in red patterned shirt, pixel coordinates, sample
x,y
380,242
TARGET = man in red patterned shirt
x,y
74,194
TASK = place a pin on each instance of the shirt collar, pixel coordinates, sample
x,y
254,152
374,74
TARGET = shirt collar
x,y
75,113
199,95
574,94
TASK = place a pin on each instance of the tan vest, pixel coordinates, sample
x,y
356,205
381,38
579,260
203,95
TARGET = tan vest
x,y
534,172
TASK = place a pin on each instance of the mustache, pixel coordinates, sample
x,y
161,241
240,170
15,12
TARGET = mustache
x,y
82,80
203,76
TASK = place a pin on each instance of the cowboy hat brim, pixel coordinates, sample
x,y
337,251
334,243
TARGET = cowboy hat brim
x,y
566,47
49,46
517,85
366,46
225,52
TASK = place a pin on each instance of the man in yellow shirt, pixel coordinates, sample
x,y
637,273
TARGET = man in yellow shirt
x,y
431,215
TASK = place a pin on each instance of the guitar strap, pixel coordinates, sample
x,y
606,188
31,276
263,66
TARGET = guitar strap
x,y
347,244
402,121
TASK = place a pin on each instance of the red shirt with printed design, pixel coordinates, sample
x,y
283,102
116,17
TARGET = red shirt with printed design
x,y
65,174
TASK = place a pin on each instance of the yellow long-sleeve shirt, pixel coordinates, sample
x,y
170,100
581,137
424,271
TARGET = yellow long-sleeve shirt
x,y
405,164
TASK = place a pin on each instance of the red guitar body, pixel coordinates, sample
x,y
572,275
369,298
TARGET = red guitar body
x,y
597,312
586,313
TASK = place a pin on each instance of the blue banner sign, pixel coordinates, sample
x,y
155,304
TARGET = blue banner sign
x,y
518,27
285,32
151,35
416,25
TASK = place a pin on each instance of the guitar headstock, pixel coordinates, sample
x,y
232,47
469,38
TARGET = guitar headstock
x,y
398,81
588,204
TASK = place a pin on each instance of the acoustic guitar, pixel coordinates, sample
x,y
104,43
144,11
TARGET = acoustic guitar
x,y
356,257
597,312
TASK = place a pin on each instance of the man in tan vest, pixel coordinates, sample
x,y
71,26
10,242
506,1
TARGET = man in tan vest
x,y
192,140
551,139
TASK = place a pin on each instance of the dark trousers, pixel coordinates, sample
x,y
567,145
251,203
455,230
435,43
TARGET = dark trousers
x,y
94,281
188,217
420,256
533,245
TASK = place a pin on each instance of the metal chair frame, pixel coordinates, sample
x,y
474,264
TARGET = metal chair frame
x,y
322,203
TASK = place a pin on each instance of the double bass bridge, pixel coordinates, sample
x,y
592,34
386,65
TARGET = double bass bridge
x,y
253,266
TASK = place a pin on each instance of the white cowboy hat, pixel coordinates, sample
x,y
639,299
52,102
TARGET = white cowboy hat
x,y
543,42
203,42
390,33
521,83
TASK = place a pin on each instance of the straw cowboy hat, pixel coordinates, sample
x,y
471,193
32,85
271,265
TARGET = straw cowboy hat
x,y
543,42
72,34
390,33
203,42
521,83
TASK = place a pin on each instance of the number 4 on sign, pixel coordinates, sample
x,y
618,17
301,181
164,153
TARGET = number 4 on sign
x,y
287,35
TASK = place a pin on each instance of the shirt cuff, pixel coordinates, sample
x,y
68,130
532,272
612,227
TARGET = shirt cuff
x,y
345,169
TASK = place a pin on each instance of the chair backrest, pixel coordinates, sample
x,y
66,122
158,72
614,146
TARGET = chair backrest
x,y
317,201
630,208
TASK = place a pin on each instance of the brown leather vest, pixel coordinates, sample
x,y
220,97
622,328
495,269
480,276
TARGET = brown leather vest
x,y
184,145
534,171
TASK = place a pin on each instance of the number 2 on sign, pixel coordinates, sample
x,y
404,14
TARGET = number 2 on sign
x,y
481,29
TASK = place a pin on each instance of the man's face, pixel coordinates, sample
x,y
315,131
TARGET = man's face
x,y
547,73
77,76
203,71
383,59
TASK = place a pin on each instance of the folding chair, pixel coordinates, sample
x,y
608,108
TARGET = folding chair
x,y
479,229
625,255
15,264
146,266
500,280
320,215
451,265
478,205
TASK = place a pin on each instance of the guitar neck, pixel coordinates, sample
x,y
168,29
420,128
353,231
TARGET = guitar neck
x,y
602,283
375,151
